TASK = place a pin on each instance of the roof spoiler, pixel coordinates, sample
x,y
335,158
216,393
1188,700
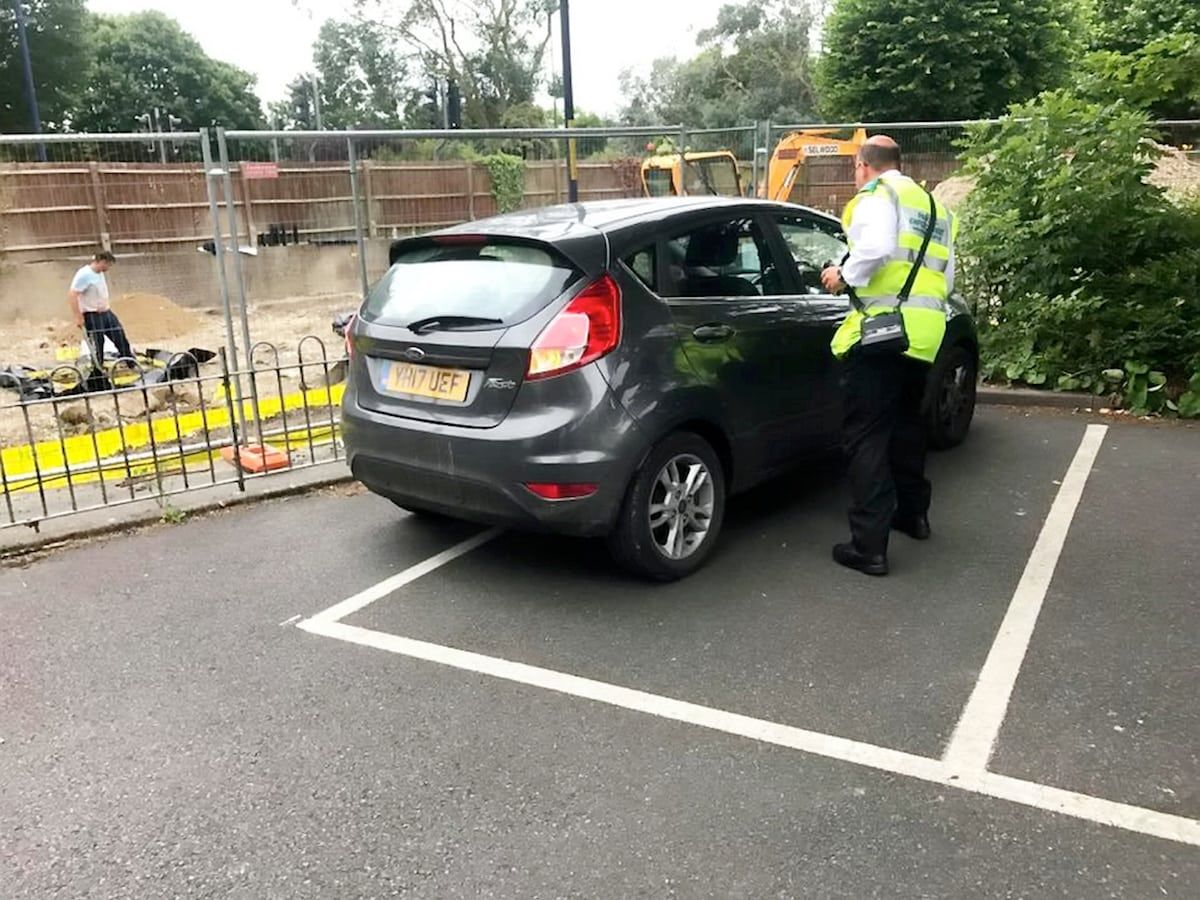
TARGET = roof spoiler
x,y
400,246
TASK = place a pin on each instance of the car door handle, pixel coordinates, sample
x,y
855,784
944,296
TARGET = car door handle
x,y
712,334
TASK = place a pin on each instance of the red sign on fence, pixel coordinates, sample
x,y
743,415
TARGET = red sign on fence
x,y
260,170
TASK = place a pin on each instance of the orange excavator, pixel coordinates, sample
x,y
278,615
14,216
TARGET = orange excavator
x,y
790,177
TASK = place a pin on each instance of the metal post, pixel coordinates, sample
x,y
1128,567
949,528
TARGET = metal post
x,y
682,161
162,144
754,161
359,235
227,179
35,116
210,175
768,150
568,103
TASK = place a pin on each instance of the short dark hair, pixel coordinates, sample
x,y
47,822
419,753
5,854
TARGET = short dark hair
x,y
104,256
880,157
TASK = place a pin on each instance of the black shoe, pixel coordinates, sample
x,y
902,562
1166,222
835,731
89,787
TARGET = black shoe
x,y
916,527
852,558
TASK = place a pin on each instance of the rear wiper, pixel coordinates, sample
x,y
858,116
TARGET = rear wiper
x,y
449,323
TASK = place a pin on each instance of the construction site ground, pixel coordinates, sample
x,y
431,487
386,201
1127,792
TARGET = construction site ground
x,y
153,321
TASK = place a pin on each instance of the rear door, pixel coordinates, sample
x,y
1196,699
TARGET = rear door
x,y
809,243
439,338
725,289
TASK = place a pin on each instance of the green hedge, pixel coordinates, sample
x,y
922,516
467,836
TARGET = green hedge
x,y
1087,276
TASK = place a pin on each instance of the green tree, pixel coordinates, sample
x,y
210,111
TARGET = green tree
x,y
763,62
362,76
929,59
1127,25
146,60
57,34
297,110
1162,77
1146,52
755,62
494,50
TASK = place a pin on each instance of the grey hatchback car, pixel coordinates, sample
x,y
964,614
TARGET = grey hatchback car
x,y
612,369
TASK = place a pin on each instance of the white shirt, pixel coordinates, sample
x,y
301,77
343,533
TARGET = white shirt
x,y
92,288
874,234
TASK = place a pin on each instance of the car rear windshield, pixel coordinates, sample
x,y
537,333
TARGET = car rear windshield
x,y
485,279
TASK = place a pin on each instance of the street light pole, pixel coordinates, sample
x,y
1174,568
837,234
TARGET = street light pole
x,y
35,116
568,102
315,83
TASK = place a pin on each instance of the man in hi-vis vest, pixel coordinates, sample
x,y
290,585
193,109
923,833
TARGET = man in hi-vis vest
x,y
899,273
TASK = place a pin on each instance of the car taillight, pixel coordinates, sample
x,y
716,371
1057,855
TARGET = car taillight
x,y
588,328
562,491
349,336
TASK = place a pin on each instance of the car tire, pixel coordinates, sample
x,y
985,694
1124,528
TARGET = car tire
x,y
951,399
665,535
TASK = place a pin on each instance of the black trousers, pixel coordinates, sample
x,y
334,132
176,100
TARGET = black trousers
x,y
99,325
883,436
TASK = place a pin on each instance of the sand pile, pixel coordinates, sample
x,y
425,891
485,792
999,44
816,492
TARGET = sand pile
x,y
153,317
1176,173
951,192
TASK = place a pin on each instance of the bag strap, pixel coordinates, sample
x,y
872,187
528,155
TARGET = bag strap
x,y
912,275
850,292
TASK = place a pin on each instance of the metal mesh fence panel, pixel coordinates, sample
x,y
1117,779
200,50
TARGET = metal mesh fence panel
x,y
63,200
74,438
707,174
316,211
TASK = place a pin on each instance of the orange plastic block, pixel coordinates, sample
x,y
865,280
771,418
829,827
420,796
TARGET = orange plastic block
x,y
256,458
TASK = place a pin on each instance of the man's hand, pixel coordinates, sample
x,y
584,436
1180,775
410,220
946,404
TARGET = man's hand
x,y
831,277
76,309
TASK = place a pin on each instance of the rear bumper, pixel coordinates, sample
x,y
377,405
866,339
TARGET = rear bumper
x,y
479,474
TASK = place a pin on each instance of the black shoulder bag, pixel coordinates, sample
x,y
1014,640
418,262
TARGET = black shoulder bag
x,y
884,333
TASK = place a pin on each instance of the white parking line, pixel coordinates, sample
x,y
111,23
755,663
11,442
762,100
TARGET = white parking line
x,y
375,592
1026,793
974,737
961,771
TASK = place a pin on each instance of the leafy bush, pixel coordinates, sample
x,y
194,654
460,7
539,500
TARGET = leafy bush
x,y
1079,264
507,175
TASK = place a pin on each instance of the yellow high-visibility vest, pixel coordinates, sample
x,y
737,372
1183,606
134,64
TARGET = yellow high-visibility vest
x,y
925,310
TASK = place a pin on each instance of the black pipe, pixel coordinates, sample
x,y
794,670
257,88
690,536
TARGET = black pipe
x,y
568,102
30,89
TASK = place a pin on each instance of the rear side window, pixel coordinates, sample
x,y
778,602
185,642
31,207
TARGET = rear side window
x,y
643,264
721,260
487,279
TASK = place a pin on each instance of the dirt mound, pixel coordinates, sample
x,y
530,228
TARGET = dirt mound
x,y
1176,173
953,191
152,317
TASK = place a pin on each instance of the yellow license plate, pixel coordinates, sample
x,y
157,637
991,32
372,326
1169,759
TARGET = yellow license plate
x,y
426,381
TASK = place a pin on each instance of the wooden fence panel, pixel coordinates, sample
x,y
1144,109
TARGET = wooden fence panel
x,y
313,199
421,196
153,208
68,209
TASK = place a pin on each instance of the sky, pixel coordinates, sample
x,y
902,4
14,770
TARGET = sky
x,y
273,38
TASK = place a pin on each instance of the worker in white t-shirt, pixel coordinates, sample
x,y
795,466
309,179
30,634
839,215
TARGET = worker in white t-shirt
x,y
88,299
